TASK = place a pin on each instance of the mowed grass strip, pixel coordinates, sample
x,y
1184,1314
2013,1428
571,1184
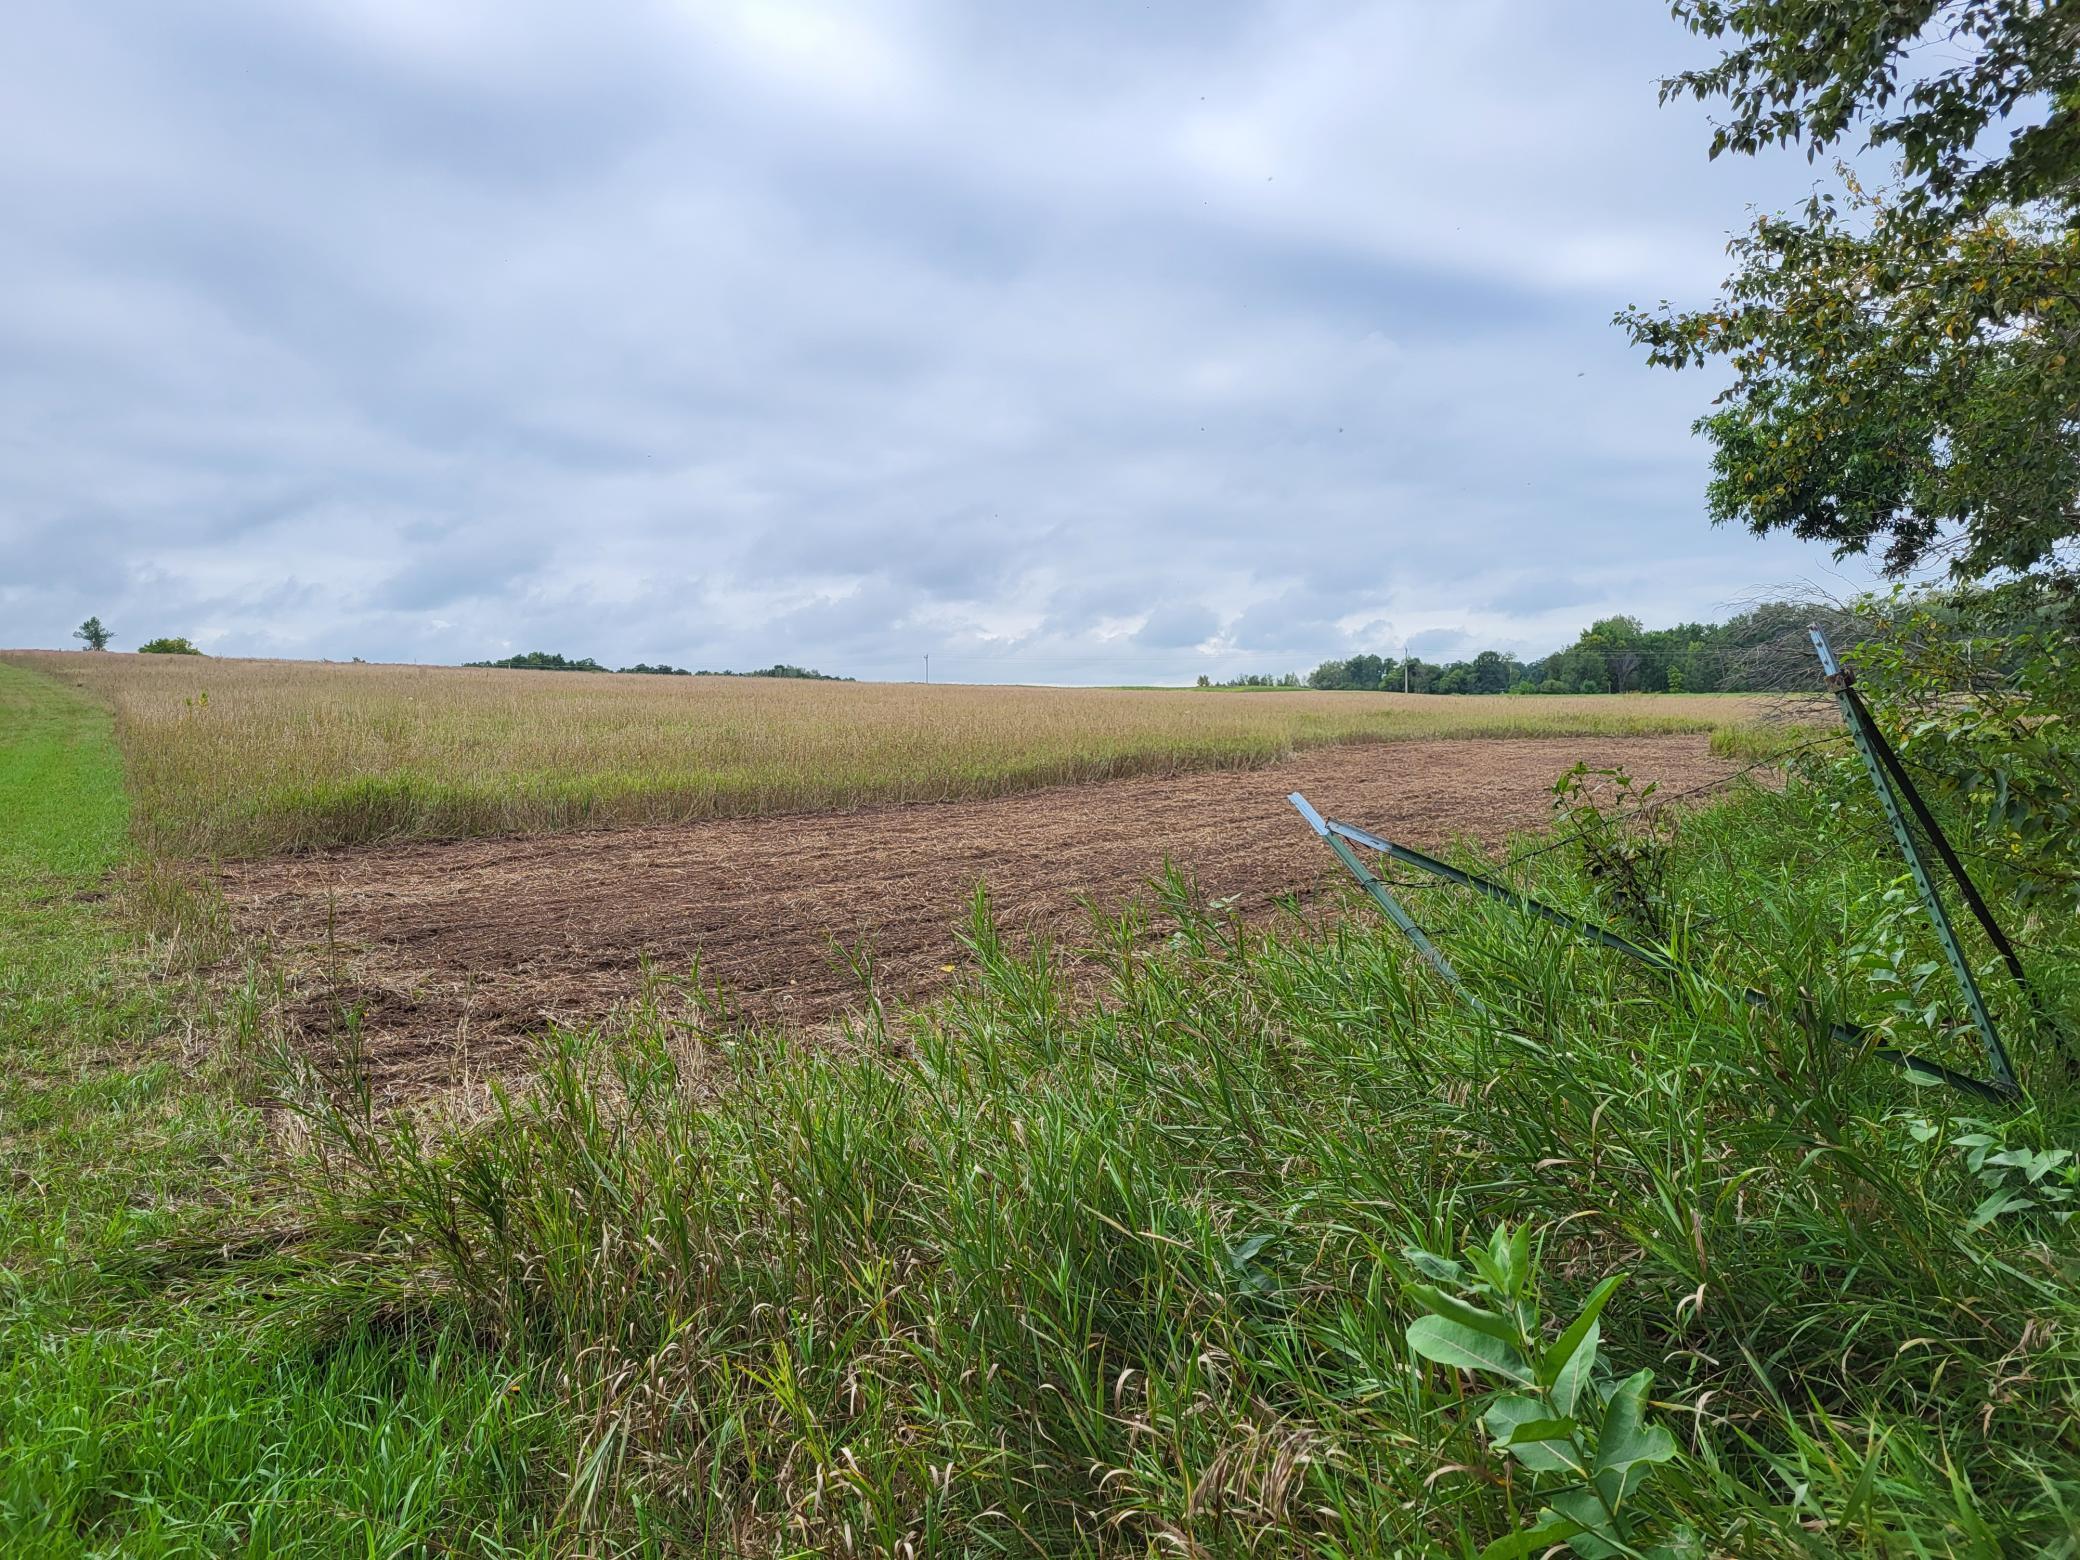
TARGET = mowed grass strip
x,y
235,758
183,1370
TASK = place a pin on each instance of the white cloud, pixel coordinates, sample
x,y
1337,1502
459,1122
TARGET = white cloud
x,y
1088,343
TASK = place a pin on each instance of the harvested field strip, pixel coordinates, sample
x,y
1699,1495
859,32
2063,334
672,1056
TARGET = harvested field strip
x,y
233,758
451,952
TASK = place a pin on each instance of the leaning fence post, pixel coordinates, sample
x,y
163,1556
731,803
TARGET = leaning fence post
x,y
1858,721
1848,1034
1380,896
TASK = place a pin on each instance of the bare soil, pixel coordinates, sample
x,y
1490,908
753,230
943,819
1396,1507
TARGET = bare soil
x,y
453,953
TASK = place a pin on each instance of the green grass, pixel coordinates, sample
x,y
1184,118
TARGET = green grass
x,y
1105,1254
1127,1276
181,1369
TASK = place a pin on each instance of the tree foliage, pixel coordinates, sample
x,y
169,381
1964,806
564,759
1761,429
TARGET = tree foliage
x,y
1906,365
552,661
542,661
93,634
1978,690
1764,649
1811,72
782,669
170,645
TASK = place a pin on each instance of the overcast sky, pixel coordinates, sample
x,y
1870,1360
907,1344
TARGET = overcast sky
x,y
1083,342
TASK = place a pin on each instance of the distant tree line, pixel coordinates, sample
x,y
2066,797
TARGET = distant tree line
x,y
781,669
1255,680
550,661
1765,649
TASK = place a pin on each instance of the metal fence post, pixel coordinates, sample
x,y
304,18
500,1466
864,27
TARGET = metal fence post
x,y
1857,719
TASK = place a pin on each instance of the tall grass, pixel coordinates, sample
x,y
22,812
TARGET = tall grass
x,y
1125,1274
232,757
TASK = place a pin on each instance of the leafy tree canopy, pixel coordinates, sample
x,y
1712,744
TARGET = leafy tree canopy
x,y
782,669
542,661
1813,72
93,634
1905,372
167,646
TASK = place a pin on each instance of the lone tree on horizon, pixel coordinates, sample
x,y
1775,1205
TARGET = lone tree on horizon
x,y
95,635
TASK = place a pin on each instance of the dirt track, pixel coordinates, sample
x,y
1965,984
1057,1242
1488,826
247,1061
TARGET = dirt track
x,y
455,951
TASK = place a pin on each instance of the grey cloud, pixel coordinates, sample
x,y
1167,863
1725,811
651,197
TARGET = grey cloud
x,y
1534,593
1178,625
719,334
1442,643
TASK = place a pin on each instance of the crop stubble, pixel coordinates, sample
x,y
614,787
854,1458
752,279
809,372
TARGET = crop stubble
x,y
454,952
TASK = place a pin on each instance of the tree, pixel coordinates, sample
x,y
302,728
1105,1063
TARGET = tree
x,y
1619,640
1365,671
542,661
167,646
1456,678
1421,675
1906,366
96,636
1493,672
1807,72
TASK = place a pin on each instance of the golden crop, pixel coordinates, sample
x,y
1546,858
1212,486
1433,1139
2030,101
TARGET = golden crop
x,y
236,757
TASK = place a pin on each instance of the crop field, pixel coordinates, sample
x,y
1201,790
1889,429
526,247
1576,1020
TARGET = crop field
x,y
1137,1192
234,758
455,954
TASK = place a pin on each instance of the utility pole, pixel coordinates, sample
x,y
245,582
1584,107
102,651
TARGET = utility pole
x,y
928,668
1404,666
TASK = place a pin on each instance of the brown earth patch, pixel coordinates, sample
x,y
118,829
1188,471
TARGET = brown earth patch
x,y
453,952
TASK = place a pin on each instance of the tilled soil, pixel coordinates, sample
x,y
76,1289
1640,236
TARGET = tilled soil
x,y
454,952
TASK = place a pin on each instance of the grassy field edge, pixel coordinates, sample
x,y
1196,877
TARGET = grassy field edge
x,y
181,1369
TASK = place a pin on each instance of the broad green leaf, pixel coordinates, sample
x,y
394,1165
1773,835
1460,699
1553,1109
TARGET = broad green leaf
x,y
1627,1443
1993,1207
1519,1424
1494,1273
1513,1254
1429,1263
1465,1315
1570,1385
1551,1529
1555,1358
1598,1536
1541,1430
1245,1251
1448,1343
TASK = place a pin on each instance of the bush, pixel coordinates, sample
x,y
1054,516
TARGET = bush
x,y
1978,691
170,646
